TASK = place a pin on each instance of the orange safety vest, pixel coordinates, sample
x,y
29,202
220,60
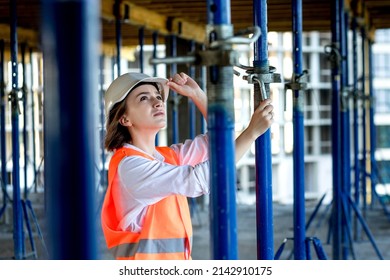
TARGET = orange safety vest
x,y
167,229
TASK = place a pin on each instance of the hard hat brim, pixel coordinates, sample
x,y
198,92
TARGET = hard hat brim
x,y
124,84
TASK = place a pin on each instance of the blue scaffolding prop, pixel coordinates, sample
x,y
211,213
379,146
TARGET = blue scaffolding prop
x,y
263,156
70,126
141,43
336,132
118,35
356,97
34,152
298,150
342,203
14,98
173,95
375,176
223,215
154,55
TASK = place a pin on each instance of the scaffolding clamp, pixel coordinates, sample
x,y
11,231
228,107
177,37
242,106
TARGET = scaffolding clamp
x,y
13,97
333,53
218,52
346,94
297,81
263,79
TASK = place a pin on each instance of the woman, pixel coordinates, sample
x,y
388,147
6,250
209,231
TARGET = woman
x,y
145,213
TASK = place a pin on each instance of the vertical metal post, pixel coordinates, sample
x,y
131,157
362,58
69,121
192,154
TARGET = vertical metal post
x,y
3,146
336,147
372,120
264,216
103,173
345,128
141,40
118,35
71,81
191,105
155,43
355,122
24,100
17,206
33,122
364,123
223,216
203,85
299,130
175,109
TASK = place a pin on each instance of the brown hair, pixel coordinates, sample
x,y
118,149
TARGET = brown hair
x,y
116,134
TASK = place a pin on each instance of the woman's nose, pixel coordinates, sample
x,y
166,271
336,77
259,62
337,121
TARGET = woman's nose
x,y
157,102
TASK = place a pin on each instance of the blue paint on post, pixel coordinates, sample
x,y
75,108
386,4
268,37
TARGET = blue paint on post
x,y
336,145
173,94
263,157
17,205
70,125
141,40
191,105
364,123
118,36
223,221
356,123
345,127
298,151
220,12
223,214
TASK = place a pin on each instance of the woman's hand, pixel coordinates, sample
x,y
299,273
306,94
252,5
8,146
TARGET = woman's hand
x,y
261,120
186,86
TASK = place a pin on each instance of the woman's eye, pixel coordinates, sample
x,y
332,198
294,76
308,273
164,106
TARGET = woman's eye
x,y
159,97
143,98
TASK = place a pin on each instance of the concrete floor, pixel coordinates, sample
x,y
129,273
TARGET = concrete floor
x,y
362,248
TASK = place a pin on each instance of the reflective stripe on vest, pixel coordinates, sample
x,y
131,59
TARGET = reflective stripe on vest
x,y
150,246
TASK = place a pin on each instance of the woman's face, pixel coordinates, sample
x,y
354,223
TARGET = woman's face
x,y
145,109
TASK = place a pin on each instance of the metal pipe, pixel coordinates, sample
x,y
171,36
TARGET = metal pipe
x,y
70,125
33,123
234,40
174,60
17,207
103,173
174,97
299,130
355,88
264,215
3,147
141,40
336,147
118,35
345,127
223,216
203,85
373,169
24,100
364,123
191,105
154,55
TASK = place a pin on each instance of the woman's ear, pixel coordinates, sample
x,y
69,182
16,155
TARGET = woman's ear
x,y
125,121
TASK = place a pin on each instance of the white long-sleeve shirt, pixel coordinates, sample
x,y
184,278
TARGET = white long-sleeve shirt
x,y
143,182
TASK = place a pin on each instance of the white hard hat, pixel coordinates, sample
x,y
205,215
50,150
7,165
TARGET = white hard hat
x,y
122,85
